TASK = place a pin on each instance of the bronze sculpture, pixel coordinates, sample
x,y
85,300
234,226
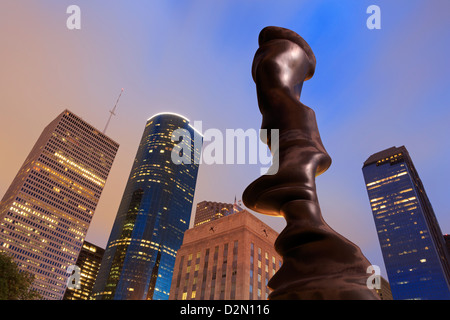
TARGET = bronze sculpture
x,y
318,263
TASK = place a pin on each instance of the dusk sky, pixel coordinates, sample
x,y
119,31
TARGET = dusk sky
x,y
373,89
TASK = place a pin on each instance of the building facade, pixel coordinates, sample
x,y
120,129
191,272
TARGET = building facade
x,y
207,211
411,241
88,261
384,291
231,258
154,213
447,242
46,211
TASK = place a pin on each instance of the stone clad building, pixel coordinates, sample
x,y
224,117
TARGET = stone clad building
x,y
231,258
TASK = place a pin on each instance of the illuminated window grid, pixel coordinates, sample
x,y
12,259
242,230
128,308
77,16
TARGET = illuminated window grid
x,y
89,261
138,264
208,211
235,262
46,212
408,232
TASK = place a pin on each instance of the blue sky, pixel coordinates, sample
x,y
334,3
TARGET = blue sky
x,y
372,89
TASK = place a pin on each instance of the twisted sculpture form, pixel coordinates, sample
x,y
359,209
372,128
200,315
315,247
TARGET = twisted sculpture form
x,y
318,263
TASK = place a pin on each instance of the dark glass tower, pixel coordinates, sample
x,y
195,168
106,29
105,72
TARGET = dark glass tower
x,y
153,215
89,261
411,241
208,211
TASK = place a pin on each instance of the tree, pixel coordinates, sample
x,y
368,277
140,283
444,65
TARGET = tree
x,y
15,284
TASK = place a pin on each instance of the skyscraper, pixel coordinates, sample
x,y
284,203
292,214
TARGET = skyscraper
x,y
411,241
154,213
46,211
384,291
447,242
208,211
88,261
231,258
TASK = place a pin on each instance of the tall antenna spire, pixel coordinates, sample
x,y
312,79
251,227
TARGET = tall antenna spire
x,y
112,112
235,206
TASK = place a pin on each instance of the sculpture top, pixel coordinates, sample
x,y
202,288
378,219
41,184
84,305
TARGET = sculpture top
x,y
283,61
281,64
273,33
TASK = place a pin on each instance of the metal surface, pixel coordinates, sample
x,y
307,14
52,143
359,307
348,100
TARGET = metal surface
x,y
318,263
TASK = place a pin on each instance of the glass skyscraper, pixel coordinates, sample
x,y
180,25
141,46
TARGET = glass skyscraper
x,y
88,261
208,211
154,213
46,212
411,241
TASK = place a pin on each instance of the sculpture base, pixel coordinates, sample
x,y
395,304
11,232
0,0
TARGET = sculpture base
x,y
318,263
336,287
